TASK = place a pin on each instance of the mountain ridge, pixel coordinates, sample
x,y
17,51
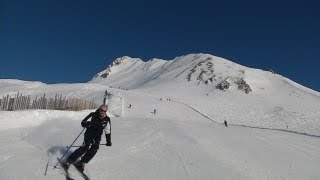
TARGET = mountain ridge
x,y
197,68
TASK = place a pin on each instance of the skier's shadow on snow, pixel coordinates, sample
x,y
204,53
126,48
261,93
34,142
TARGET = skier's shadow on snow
x,y
59,151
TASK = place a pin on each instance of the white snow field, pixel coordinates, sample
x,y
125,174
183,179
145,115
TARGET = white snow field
x,y
273,131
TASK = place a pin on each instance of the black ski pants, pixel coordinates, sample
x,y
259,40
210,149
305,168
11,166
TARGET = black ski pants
x,y
85,149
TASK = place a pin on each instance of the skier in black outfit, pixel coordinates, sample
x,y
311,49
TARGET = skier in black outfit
x,y
99,122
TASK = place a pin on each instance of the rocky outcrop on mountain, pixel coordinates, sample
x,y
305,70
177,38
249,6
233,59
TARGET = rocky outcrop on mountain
x,y
104,75
242,85
108,70
206,75
239,82
223,85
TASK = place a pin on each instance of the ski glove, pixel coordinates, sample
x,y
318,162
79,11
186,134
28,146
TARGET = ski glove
x,y
85,124
108,140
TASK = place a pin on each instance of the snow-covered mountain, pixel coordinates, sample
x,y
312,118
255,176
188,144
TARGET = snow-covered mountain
x,y
195,69
236,93
202,70
273,133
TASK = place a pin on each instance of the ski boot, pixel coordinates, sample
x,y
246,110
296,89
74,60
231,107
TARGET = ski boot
x,y
80,166
65,165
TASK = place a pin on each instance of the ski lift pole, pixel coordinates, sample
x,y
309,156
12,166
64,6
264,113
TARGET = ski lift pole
x,y
68,148
105,97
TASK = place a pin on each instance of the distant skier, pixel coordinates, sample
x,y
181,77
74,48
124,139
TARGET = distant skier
x,y
99,122
154,111
129,106
225,123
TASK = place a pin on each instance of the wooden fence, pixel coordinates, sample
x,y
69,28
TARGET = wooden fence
x,y
19,102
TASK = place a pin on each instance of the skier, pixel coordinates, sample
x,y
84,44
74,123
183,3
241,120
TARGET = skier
x,y
99,122
225,123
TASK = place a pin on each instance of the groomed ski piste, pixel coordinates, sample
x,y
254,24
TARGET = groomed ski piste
x,y
175,143
273,132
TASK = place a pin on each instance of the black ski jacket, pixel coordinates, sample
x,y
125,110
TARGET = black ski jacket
x,y
97,125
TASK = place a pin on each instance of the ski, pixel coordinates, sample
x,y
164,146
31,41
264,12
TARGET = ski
x,y
66,173
81,173
84,175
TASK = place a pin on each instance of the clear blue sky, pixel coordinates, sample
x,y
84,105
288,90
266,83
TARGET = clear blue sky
x,y
57,41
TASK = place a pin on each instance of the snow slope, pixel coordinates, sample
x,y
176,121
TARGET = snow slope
x,y
175,143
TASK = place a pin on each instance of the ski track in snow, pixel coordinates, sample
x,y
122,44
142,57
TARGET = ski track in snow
x,y
229,124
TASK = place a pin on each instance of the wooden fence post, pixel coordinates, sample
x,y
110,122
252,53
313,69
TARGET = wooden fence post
x,y
7,102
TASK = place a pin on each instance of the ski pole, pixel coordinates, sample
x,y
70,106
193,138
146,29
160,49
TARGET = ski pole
x,y
80,146
68,148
